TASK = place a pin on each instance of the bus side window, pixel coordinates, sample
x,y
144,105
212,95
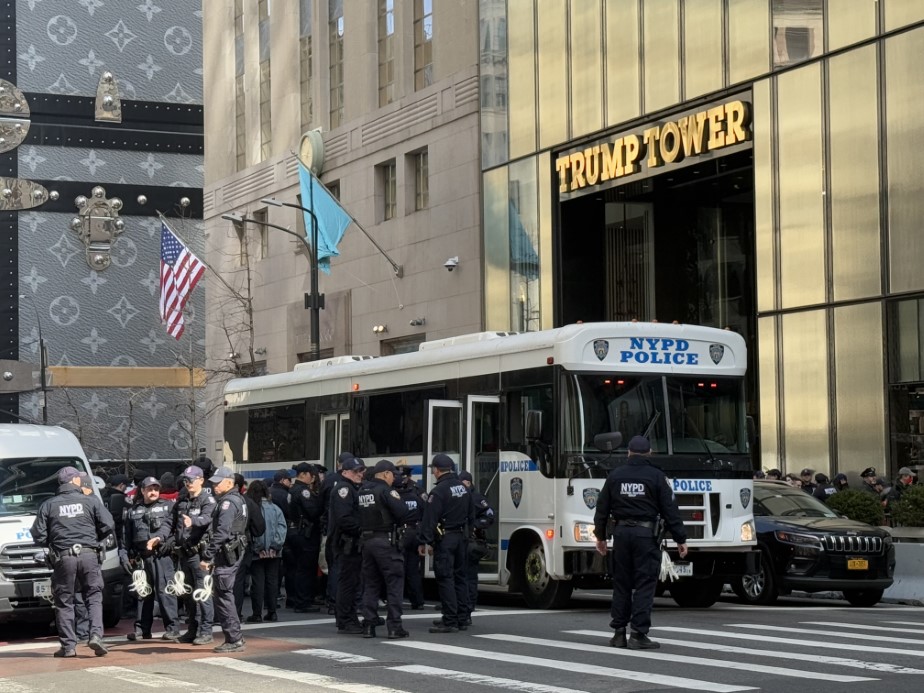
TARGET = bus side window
x,y
514,439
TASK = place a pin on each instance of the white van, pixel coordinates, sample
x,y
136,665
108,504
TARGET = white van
x,y
30,457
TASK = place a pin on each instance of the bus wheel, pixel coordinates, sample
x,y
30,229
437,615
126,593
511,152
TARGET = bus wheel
x,y
696,593
540,590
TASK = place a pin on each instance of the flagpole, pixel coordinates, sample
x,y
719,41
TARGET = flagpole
x,y
317,300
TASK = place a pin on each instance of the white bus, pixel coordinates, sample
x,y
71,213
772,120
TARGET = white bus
x,y
520,412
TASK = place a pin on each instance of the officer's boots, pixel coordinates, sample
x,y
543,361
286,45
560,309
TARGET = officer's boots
x,y
369,629
397,633
640,641
618,639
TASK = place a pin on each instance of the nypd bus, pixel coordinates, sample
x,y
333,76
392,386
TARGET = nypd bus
x,y
521,412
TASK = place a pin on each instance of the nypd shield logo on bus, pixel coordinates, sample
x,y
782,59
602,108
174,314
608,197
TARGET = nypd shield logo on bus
x,y
516,491
601,348
590,497
716,352
745,495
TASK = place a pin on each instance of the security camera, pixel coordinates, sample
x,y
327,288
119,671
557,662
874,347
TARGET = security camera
x,y
451,263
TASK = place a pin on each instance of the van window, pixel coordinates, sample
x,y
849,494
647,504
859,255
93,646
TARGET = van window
x,y
26,482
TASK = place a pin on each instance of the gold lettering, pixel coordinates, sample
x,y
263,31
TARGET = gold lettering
x,y
612,160
670,152
691,130
650,138
633,151
577,171
592,157
561,165
716,131
736,125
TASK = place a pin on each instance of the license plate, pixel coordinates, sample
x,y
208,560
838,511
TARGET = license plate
x,y
857,564
684,569
41,588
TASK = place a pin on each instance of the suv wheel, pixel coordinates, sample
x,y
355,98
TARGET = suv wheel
x,y
758,589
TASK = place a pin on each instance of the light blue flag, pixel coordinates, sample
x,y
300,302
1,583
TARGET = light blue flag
x,y
332,218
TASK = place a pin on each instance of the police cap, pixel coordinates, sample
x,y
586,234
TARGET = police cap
x,y
442,461
150,481
383,466
66,474
868,472
466,476
640,445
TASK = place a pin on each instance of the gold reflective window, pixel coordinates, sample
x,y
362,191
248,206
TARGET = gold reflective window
x,y
493,64
662,54
805,389
748,39
900,13
769,397
798,31
764,207
586,67
523,232
553,72
521,26
702,46
622,66
496,217
850,21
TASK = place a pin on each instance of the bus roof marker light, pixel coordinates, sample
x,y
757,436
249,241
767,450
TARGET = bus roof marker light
x,y
549,360
355,387
550,534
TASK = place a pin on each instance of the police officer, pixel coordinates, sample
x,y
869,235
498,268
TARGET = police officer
x,y
823,487
381,511
149,536
71,526
477,543
193,517
446,524
81,615
869,478
330,555
344,534
224,554
415,499
634,496
305,525
808,485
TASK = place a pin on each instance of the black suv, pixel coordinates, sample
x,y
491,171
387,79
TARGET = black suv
x,y
807,546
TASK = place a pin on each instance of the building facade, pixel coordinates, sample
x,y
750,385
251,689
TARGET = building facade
x,y
750,164
55,53
393,87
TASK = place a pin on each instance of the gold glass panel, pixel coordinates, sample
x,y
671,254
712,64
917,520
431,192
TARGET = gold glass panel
x,y
854,194
586,67
769,398
546,214
905,138
662,53
902,13
801,187
622,61
496,250
748,39
907,362
553,72
764,209
521,85
524,246
860,389
702,47
805,390
850,21
798,30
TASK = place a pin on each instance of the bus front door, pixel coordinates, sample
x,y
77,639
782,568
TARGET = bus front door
x,y
481,461
444,435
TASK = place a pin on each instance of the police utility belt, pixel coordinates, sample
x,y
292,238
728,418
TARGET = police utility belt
x,y
647,524
52,556
389,534
234,548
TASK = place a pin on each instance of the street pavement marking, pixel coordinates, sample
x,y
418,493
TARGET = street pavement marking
x,y
573,667
25,646
482,680
818,631
681,659
318,680
882,667
344,657
862,627
905,623
821,644
147,679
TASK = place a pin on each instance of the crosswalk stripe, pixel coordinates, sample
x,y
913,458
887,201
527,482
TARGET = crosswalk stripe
x,y
574,667
318,680
344,657
828,633
482,680
860,626
26,646
819,644
882,667
680,659
904,623
146,679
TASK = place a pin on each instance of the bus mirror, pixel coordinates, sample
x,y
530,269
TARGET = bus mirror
x,y
533,424
608,442
752,432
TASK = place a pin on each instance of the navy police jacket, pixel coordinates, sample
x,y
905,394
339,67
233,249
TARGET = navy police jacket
x,y
70,518
450,506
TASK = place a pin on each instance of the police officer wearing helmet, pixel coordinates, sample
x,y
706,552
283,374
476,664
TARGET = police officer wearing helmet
x,y
415,499
344,531
224,554
634,496
381,511
446,524
71,526
305,507
149,537
192,519
477,543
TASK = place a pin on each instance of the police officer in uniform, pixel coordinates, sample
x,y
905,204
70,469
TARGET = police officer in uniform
x,y
224,554
330,555
415,499
634,496
477,543
446,524
344,532
381,511
71,526
305,525
193,517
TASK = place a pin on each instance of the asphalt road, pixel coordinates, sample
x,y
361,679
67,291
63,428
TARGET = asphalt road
x,y
796,645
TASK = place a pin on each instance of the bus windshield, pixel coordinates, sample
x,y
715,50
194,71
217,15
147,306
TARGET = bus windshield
x,y
700,415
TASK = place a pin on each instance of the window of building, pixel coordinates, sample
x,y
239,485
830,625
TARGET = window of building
x,y
266,121
333,188
387,181
402,345
260,216
306,69
798,31
335,35
386,51
243,251
240,120
423,43
421,180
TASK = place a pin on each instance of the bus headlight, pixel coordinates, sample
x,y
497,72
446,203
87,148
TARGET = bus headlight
x,y
747,531
584,531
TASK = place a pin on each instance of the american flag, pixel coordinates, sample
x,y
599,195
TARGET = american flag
x,y
180,271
